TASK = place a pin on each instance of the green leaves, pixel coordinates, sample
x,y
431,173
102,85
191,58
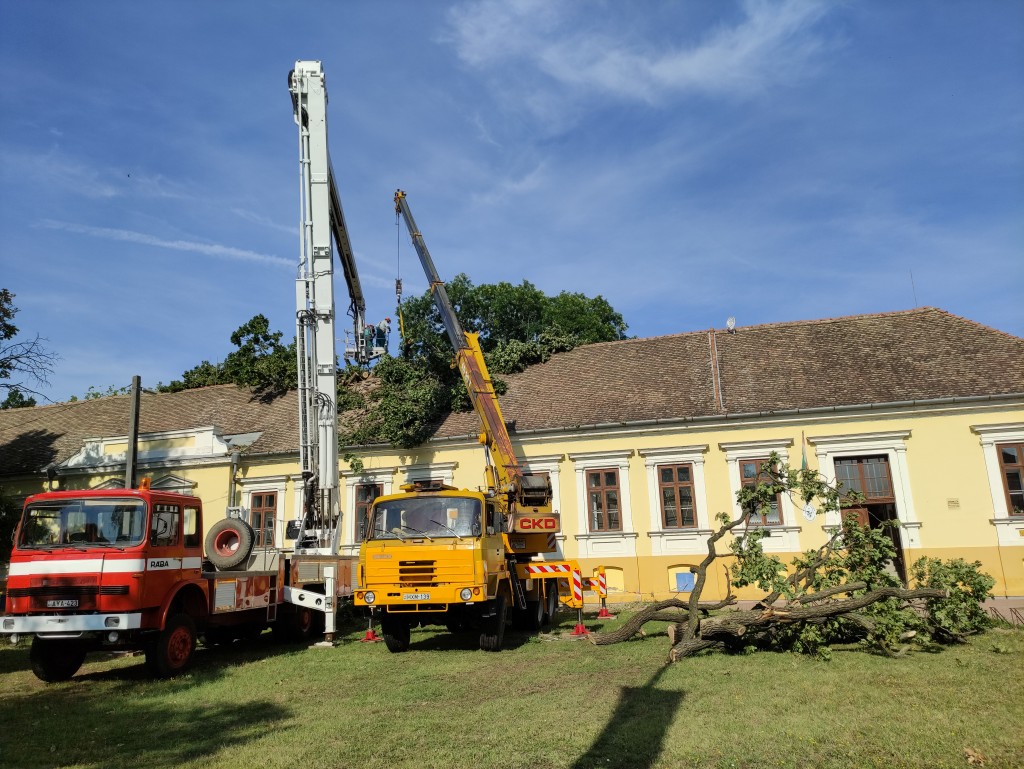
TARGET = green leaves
x,y
959,614
519,326
261,363
403,410
859,559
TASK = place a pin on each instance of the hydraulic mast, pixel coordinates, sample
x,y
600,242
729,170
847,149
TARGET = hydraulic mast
x,y
322,225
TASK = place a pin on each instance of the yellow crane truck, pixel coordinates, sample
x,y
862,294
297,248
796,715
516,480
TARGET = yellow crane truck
x,y
467,559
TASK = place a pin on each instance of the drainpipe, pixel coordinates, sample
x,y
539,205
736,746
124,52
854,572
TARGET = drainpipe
x,y
236,459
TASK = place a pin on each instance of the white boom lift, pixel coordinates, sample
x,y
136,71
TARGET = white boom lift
x,y
322,223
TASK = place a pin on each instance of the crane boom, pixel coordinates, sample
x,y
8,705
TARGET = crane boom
x,y
322,225
508,478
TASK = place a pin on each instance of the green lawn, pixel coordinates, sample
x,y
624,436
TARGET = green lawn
x,y
543,702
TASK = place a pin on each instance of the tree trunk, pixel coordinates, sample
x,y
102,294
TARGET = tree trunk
x,y
734,625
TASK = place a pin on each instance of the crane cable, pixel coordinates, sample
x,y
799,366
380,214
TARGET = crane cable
x,y
398,278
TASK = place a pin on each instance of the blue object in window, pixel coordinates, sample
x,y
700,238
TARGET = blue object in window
x,y
684,582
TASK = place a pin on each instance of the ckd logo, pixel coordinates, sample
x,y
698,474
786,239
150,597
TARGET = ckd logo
x,y
538,524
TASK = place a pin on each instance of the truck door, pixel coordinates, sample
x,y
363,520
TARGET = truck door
x,y
493,546
165,553
192,539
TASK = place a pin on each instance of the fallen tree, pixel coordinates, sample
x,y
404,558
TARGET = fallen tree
x,y
845,591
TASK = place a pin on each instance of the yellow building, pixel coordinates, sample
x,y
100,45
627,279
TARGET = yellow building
x,y
644,442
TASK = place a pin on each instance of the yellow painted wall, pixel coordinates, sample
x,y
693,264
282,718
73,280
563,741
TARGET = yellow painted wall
x,y
945,470
945,467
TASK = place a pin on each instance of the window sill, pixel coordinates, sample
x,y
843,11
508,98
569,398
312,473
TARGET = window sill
x,y
772,528
1009,530
607,544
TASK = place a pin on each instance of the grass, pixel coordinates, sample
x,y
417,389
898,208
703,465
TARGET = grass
x,y
543,702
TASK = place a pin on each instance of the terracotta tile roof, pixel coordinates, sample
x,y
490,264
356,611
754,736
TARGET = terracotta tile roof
x,y
32,438
917,354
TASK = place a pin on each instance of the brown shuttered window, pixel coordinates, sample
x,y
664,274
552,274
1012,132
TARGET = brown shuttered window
x,y
603,500
365,494
675,490
1011,463
263,509
750,475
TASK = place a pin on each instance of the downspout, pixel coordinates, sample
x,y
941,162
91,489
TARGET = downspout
x,y
236,458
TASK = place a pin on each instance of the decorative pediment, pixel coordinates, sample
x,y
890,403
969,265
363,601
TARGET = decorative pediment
x,y
199,443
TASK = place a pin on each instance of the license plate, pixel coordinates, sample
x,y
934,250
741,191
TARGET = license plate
x,y
69,603
416,597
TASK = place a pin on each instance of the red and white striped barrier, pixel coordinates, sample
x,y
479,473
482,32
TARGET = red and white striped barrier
x,y
548,568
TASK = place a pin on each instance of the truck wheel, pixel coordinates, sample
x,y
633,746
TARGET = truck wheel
x,y
550,603
531,618
397,633
56,660
493,633
171,652
229,542
300,623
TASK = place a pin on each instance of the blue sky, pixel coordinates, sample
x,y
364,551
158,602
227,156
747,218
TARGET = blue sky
x,y
688,161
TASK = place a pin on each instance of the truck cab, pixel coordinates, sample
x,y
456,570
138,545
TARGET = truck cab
x,y
432,555
102,569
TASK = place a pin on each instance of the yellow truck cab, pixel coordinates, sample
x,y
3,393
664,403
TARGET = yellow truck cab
x,y
437,555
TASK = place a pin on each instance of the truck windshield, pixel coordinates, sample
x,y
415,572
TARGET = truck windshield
x,y
77,523
430,517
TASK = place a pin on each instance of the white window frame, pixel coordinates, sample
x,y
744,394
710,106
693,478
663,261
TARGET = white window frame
x,y
892,445
444,471
173,483
1009,529
604,543
681,541
780,538
272,483
383,477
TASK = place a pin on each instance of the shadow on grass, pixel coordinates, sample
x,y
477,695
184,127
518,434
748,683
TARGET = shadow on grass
x,y
120,716
438,639
208,663
635,732
160,727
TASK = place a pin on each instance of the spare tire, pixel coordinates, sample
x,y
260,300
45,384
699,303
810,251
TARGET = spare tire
x,y
229,542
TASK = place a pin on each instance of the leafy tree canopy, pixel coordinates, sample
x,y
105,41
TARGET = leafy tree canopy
x,y
260,362
519,326
16,400
507,315
23,363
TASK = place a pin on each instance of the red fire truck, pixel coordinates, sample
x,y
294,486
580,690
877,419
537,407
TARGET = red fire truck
x,y
125,568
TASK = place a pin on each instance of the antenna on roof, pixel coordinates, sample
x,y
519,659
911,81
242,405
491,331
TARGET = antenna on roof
x,y
913,288
730,325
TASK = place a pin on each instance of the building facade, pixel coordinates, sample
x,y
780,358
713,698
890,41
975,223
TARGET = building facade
x,y
644,441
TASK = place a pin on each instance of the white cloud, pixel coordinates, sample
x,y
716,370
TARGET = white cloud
x,y
532,182
771,42
129,236
264,221
53,170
